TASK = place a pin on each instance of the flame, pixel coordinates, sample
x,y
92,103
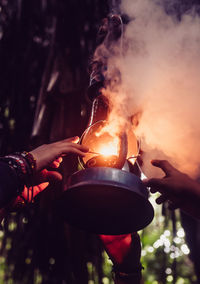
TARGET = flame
x,y
109,148
108,141
103,138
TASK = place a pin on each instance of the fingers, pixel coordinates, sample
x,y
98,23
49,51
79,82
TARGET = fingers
x,y
167,168
47,154
81,152
66,148
56,164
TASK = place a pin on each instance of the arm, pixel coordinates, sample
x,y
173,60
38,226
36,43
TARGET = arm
x,y
177,188
18,170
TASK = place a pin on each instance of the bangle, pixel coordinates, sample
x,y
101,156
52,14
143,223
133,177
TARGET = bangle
x,y
30,160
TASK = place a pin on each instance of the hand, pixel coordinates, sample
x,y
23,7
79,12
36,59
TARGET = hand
x,y
48,153
176,187
124,251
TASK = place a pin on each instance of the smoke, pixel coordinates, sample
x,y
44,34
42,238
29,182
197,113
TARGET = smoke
x,y
159,62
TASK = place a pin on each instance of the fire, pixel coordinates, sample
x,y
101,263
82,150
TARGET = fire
x,y
109,148
107,143
104,140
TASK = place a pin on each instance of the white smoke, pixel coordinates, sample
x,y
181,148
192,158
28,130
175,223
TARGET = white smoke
x,y
160,71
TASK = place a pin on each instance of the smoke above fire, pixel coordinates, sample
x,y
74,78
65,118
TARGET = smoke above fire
x,y
158,58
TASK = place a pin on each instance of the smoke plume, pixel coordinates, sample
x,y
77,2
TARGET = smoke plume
x,y
159,61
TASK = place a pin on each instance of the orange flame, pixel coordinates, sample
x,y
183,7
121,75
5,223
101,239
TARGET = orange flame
x,y
109,148
108,141
103,138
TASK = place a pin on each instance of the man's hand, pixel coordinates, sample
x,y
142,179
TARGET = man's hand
x,y
48,153
178,188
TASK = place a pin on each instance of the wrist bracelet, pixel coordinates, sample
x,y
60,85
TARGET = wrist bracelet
x,y
29,159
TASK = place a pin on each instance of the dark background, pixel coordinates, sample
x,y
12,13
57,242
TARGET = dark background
x,y
41,42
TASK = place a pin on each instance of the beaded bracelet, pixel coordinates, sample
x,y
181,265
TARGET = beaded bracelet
x,y
30,159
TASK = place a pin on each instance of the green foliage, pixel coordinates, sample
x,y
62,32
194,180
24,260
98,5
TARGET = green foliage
x,y
164,253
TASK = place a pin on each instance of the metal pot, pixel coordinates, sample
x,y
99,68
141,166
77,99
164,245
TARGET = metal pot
x,y
106,201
